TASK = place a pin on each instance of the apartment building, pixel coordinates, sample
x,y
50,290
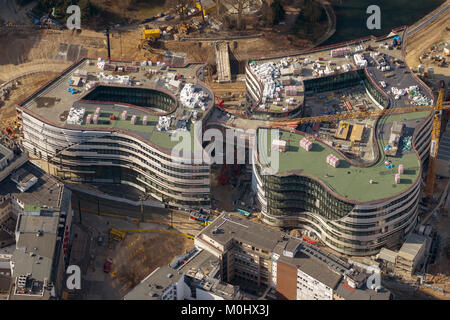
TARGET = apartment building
x,y
40,232
257,257
124,132
195,280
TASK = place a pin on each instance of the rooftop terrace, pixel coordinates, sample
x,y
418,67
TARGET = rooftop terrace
x,y
53,102
347,180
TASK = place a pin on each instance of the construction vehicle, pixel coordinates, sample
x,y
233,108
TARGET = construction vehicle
x,y
117,235
184,29
151,35
9,132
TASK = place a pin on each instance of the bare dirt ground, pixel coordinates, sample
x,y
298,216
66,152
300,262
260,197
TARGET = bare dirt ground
x,y
27,86
423,40
139,254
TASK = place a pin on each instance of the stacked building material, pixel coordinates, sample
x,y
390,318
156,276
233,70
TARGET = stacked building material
x,y
88,119
192,98
298,70
163,123
397,178
124,115
133,119
97,110
95,118
400,169
144,120
131,69
306,144
75,116
333,160
339,52
359,60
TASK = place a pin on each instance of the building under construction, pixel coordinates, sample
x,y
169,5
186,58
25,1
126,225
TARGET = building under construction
x,y
345,191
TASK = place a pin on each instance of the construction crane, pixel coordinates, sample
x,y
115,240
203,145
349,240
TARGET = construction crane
x,y
353,115
438,109
435,134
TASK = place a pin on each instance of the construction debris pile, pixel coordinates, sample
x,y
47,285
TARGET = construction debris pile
x,y
164,123
406,143
277,77
267,73
413,93
417,98
192,97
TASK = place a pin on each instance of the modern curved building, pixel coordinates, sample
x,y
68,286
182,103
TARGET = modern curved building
x,y
356,208
113,149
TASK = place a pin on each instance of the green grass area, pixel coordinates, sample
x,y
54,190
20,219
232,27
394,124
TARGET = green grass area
x,y
347,180
164,140
103,121
406,116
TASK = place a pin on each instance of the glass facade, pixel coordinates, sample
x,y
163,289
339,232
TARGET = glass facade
x,y
141,97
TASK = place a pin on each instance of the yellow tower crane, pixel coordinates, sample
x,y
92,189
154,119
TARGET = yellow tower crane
x,y
434,146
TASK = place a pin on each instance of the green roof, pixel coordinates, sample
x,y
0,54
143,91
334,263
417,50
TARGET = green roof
x,y
406,116
31,208
347,180
149,132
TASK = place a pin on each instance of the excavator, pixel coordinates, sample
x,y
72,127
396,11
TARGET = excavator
x,y
149,41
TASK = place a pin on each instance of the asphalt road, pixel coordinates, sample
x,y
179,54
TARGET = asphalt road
x,y
429,20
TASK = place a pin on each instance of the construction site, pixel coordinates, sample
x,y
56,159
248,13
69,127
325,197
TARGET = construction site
x,y
374,108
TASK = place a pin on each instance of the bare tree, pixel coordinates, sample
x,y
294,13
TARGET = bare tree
x,y
240,6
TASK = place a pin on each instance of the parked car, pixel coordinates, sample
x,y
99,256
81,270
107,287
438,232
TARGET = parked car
x,y
99,240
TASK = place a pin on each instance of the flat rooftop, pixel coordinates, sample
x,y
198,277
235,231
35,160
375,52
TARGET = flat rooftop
x,y
53,102
229,226
46,192
313,268
347,180
412,246
153,286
